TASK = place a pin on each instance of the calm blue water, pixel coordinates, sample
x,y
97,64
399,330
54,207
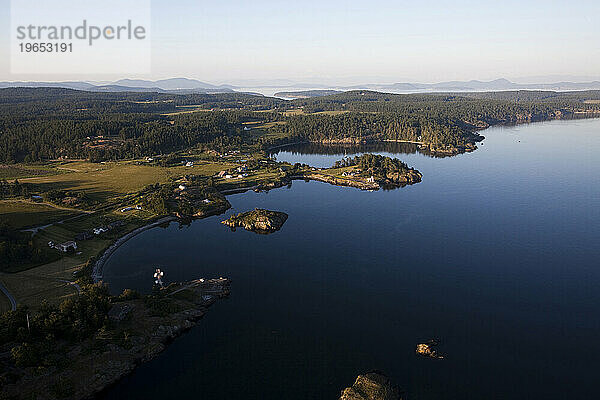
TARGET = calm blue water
x,y
495,254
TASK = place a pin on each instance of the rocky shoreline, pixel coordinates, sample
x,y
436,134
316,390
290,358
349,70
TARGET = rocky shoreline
x,y
137,331
340,181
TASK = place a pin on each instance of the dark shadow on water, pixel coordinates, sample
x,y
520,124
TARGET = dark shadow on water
x,y
341,149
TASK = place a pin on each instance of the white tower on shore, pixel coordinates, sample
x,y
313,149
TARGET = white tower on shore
x,y
158,274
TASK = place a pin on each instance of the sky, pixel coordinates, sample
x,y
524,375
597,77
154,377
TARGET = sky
x,y
351,42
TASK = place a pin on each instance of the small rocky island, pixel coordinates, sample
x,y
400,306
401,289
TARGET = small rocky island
x,y
258,220
428,350
372,386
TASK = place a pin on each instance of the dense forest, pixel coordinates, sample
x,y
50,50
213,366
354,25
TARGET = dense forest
x,y
374,165
386,126
49,123
35,336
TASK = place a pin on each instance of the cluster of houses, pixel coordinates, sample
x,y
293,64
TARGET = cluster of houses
x,y
240,172
183,192
228,154
354,173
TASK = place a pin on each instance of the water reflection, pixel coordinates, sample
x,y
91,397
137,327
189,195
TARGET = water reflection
x,y
495,253
308,153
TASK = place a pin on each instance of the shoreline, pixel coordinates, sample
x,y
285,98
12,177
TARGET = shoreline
x,y
97,272
350,142
105,254
95,369
165,336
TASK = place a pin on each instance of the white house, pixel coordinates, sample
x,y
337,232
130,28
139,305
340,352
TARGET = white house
x,y
66,246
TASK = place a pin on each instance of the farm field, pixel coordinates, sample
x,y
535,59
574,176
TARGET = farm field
x,y
25,214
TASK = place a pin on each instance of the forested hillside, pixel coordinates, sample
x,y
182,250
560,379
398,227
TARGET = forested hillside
x,y
48,123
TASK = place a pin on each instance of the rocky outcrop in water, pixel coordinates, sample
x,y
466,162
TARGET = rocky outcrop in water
x,y
258,220
428,349
403,178
372,386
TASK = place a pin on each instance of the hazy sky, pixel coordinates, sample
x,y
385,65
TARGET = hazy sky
x,y
362,41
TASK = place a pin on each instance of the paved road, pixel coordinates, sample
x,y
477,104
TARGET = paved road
x,y
13,302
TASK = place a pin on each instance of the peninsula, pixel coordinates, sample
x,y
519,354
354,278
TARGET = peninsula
x,y
87,344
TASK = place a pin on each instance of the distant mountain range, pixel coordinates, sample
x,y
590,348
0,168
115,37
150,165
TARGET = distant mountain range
x,y
185,86
173,85
474,85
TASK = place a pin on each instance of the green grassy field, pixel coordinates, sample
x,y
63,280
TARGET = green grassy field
x,y
32,286
103,182
24,214
10,172
187,110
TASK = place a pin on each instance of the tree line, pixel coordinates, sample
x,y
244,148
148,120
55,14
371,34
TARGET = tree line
x,y
48,123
